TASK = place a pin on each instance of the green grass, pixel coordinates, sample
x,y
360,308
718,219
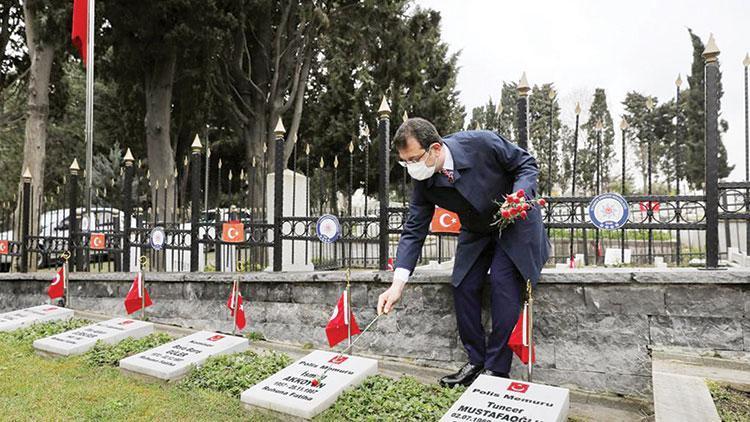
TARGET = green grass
x,y
732,404
66,389
91,388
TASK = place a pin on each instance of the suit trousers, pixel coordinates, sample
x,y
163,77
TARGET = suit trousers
x,y
505,288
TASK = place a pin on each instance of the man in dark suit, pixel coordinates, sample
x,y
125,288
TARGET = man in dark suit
x,y
466,173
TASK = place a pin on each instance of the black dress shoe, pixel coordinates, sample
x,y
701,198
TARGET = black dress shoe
x,y
465,376
492,373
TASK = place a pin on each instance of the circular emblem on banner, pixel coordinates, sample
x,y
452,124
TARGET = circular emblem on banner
x,y
328,228
156,238
609,211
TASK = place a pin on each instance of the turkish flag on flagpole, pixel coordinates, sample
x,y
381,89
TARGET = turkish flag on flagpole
x,y
57,288
337,329
80,27
518,341
137,295
236,308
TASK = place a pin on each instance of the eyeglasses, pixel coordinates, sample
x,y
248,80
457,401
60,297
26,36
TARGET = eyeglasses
x,y
406,163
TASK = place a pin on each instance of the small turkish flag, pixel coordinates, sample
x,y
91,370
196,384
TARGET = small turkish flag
x,y
233,232
444,221
4,247
236,308
519,339
57,288
136,294
390,264
337,329
80,27
97,241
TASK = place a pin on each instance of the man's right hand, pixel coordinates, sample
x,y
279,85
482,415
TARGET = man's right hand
x,y
388,299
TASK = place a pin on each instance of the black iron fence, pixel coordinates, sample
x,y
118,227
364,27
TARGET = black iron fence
x,y
268,220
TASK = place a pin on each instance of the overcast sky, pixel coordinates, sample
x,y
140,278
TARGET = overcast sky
x,y
582,45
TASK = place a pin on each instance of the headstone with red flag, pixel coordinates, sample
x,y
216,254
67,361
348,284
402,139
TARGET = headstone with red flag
x,y
137,296
57,288
518,341
236,308
337,329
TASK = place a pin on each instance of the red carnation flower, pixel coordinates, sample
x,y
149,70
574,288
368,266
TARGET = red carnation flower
x,y
520,193
542,202
513,211
315,383
523,215
506,214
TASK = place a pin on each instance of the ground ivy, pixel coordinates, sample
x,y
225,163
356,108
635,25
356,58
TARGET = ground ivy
x,y
110,355
26,336
380,398
233,374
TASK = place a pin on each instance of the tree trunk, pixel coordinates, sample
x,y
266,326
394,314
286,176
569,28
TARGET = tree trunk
x,y
254,136
159,82
37,112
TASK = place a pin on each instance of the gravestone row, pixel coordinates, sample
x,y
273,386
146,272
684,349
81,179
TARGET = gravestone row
x,y
303,389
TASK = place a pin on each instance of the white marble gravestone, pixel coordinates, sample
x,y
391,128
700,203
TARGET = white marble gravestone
x,y
310,385
492,398
173,360
81,340
294,204
613,256
21,318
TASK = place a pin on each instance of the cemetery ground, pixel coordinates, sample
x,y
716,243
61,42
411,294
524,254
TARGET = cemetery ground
x,y
91,387
732,401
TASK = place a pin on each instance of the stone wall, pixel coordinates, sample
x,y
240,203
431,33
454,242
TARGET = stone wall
x,y
594,328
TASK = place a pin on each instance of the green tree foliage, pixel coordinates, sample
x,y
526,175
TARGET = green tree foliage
x,y
500,118
694,110
598,112
378,50
567,148
544,110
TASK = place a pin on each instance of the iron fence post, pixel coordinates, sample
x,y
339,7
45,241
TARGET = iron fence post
x,y
522,105
73,216
195,200
384,114
127,208
278,194
711,54
25,220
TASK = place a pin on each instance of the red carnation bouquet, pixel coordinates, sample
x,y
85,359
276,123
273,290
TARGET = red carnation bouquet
x,y
514,207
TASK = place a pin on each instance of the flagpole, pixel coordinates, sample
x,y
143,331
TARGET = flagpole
x,y
89,131
142,288
65,257
235,288
348,313
530,302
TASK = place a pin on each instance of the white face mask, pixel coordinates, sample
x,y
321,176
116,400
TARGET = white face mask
x,y
420,170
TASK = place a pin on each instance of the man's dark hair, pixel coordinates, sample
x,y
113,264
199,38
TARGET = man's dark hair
x,y
418,128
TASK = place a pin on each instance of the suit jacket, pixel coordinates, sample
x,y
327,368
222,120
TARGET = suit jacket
x,y
486,166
